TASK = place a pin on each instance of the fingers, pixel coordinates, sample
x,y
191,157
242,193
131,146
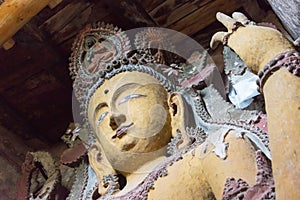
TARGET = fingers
x,y
227,21
231,23
240,17
217,38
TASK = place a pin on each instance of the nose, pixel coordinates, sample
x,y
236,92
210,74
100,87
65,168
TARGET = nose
x,y
116,120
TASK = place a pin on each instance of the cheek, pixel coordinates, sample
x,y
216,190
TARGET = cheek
x,y
138,112
103,129
145,113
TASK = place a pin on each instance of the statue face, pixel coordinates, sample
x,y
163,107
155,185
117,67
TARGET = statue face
x,y
130,113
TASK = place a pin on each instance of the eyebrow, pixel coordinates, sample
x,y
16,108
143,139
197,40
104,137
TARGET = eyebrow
x,y
122,89
131,96
98,107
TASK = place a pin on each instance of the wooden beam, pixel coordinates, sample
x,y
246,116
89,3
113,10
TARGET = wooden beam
x,y
53,3
72,28
169,12
130,13
204,16
15,13
8,44
150,4
63,17
29,83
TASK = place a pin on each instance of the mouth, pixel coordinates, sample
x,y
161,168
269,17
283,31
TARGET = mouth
x,y
121,130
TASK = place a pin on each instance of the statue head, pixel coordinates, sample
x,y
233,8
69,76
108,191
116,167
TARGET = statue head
x,y
131,115
129,98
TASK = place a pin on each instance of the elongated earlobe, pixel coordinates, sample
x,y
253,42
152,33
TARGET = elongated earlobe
x,y
100,165
176,112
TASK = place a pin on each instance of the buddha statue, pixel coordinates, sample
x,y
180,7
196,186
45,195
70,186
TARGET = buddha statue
x,y
158,128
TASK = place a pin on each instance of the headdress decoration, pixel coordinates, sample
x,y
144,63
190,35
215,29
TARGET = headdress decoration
x,y
101,51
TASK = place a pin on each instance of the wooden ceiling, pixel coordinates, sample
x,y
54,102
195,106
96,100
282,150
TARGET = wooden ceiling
x,y
35,88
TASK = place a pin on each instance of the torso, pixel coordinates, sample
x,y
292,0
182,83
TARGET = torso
x,y
179,176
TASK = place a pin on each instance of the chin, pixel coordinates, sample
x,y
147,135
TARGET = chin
x,y
130,162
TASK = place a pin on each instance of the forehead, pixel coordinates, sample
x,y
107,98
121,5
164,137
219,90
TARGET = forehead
x,y
106,90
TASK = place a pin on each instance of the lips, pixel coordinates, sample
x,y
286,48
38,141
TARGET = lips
x,y
121,130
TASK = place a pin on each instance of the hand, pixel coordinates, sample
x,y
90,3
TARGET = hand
x,y
256,45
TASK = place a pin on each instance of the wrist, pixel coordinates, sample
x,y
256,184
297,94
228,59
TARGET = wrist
x,y
273,53
290,60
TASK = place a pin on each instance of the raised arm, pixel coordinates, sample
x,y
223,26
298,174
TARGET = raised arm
x,y
267,52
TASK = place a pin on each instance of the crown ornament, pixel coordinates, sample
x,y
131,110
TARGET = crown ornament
x,y
101,51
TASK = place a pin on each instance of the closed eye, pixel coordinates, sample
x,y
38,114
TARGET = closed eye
x,y
101,118
132,96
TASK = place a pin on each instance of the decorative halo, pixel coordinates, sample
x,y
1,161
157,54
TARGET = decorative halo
x,y
153,38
